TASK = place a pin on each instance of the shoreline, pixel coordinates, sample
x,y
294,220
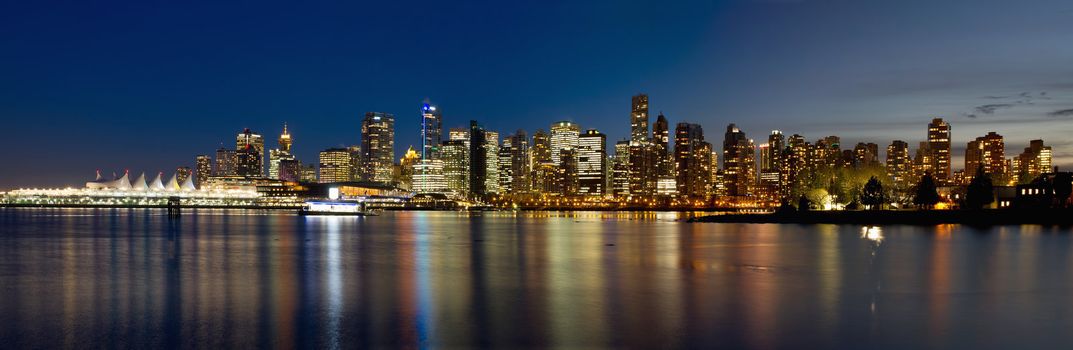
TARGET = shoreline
x,y
986,217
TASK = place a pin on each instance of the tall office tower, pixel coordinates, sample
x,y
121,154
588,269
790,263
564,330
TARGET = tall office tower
x,y
491,151
693,157
661,140
639,118
541,147
429,176
202,169
275,156
377,146
460,134
592,163
568,172
620,174
520,162
1034,161
899,165
251,142
290,170
308,173
431,131
939,146
226,162
506,170
642,169
798,153
866,154
455,156
182,173
545,178
564,135
334,165
355,163
738,162
478,160
988,151
248,163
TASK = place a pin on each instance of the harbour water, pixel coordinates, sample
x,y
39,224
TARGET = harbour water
x,y
136,278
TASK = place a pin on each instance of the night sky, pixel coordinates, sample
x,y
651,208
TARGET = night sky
x,y
147,85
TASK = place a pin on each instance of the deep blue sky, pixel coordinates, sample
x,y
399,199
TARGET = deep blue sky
x,y
147,85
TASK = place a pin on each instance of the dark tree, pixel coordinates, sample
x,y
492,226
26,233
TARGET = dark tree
x,y
980,192
926,193
1063,188
873,195
803,204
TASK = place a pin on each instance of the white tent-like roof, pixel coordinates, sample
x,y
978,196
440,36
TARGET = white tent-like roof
x,y
157,185
188,185
139,184
122,183
173,184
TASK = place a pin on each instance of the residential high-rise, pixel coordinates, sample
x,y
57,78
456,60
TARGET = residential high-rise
x,y
798,163
377,146
355,163
334,165
226,162
771,174
899,164
431,131
866,155
923,162
939,146
738,162
1034,161
251,149
988,151
592,163
828,152
639,118
642,168
693,159
520,166
202,169
541,147
567,183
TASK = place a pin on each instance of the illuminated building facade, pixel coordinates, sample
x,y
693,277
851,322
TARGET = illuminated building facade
x,y
692,156
334,165
639,118
738,162
431,131
377,147
866,155
564,135
275,156
1034,161
520,163
620,172
989,152
226,162
939,147
899,164
429,176
454,154
250,148
202,169
478,160
592,163
491,151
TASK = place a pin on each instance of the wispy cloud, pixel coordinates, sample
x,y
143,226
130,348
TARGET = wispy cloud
x,y
1062,113
991,108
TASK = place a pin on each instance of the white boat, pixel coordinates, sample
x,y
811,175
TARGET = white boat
x,y
335,208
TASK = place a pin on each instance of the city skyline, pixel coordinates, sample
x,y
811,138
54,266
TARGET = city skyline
x,y
702,63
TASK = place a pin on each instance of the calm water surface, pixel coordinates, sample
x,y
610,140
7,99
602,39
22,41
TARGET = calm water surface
x,y
243,279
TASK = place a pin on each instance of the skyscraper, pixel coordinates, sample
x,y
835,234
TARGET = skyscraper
x,y
431,131
250,148
772,161
620,174
226,162
639,118
939,146
377,146
454,155
491,151
738,162
564,135
520,164
866,154
334,165
202,169
692,156
478,160
567,183
592,163
506,170
541,147
661,139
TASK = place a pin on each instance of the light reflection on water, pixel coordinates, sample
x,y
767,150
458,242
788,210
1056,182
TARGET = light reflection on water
x,y
242,279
